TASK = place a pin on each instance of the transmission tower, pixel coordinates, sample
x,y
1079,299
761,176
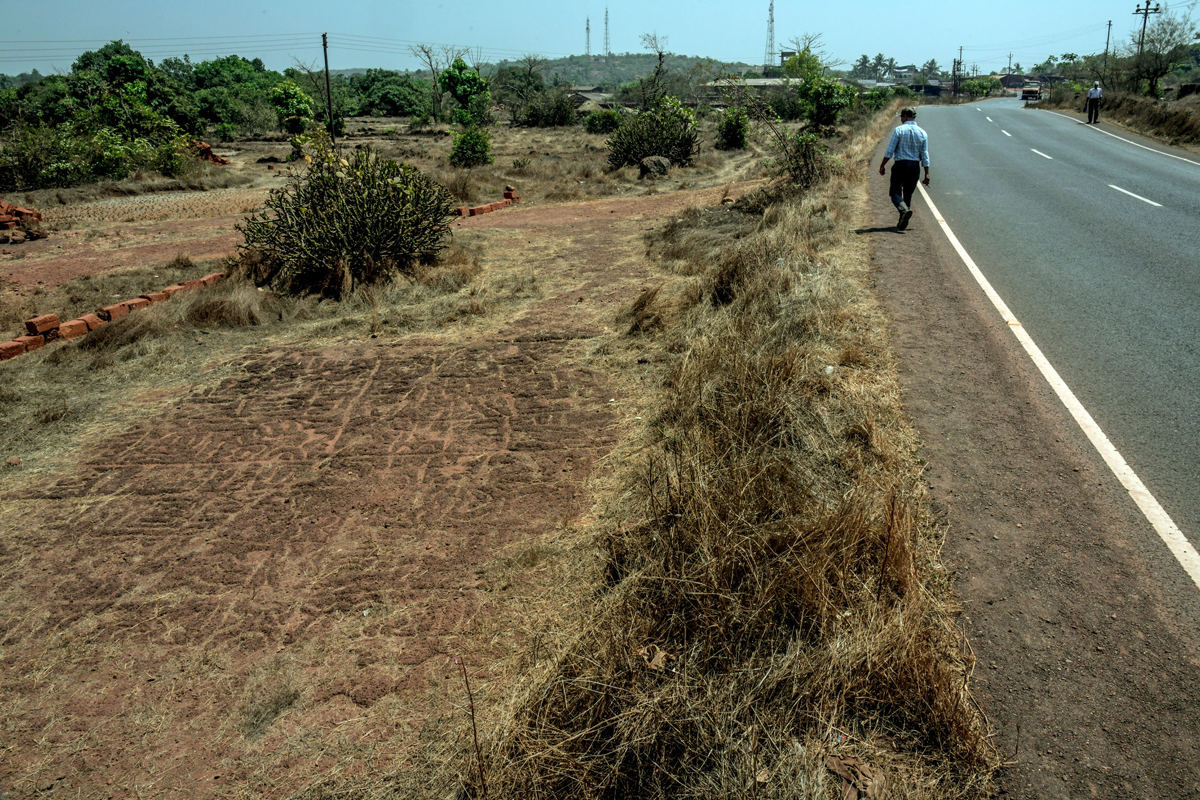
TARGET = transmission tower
x,y
607,46
589,36
769,58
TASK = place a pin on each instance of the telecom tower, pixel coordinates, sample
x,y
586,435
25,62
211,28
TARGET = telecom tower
x,y
589,36
607,46
769,58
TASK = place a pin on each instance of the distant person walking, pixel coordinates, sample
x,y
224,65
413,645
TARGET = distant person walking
x,y
909,145
1095,95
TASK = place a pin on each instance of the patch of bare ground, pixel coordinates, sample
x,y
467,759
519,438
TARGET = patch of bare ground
x,y
248,536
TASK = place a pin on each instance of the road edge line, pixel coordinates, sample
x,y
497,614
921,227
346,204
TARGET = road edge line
x,y
1123,139
1151,509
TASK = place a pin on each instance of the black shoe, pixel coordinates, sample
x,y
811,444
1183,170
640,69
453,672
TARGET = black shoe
x,y
905,216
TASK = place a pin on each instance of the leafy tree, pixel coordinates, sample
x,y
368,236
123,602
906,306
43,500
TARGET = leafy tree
x,y
931,69
468,89
395,95
293,107
862,68
1166,46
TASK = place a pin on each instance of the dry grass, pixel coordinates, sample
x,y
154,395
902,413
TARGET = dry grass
x,y
763,587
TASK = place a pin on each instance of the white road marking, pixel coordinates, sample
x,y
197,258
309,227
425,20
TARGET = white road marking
x,y
1135,144
1166,528
989,119
1043,155
1006,133
1138,196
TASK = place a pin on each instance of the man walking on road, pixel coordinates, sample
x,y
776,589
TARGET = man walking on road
x,y
909,145
1095,95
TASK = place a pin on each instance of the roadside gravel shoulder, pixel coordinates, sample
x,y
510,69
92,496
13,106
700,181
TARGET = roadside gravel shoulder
x,y
1084,628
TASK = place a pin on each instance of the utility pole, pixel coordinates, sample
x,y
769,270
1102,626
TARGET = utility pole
x,y
588,48
329,93
1010,60
1107,36
1145,13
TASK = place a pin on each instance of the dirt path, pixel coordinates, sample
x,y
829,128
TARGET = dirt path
x,y
269,582
1084,628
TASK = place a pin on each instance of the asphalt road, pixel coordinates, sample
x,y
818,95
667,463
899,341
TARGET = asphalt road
x,y
1105,282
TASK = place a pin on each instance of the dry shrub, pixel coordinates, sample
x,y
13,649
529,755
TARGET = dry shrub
x,y
462,184
768,590
1175,121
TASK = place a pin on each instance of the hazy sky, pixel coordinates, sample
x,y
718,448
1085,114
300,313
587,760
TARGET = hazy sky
x,y
49,34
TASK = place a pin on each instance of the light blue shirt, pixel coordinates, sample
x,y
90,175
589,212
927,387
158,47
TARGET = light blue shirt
x,y
909,143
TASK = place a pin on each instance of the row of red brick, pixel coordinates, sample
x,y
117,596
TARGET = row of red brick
x,y
47,327
510,199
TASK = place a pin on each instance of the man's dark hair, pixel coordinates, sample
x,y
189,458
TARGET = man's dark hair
x,y
908,112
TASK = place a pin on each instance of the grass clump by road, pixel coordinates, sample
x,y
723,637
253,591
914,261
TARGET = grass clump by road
x,y
765,597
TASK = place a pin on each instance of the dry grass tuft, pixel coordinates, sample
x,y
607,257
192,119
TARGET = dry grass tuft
x,y
766,590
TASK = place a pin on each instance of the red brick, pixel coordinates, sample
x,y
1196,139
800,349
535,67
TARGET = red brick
x,y
30,342
189,285
7,218
136,303
156,297
510,196
46,322
464,211
115,311
11,350
171,291
76,327
475,211
92,321
209,280
8,226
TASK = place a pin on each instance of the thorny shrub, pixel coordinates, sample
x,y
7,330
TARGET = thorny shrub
x,y
668,130
342,222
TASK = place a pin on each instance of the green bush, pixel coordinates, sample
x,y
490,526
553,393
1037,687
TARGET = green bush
x,y
903,91
824,99
550,109
602,122
44,156
732,127
346,222
668,130
472,148
225,132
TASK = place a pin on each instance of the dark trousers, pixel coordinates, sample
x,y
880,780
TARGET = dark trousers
x,y
905,175
1093,109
